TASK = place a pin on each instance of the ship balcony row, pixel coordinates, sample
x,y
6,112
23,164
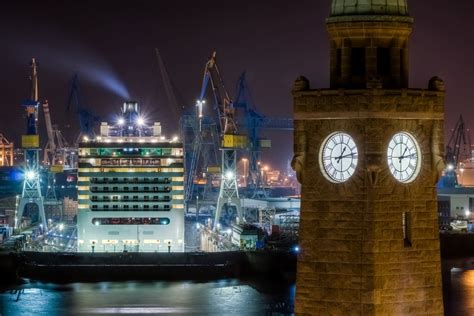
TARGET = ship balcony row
x,y
130,180
117,189
127,208
128,163
134,198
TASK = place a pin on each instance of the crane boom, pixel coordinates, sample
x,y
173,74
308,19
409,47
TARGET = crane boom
x,y
228,193
50,146
458,150
167,85
34,80
87,120
223,101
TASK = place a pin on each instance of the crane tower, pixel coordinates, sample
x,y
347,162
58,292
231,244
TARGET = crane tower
x,y
230,140
31,193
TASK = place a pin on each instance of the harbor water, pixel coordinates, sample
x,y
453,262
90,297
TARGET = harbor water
x,y
224,297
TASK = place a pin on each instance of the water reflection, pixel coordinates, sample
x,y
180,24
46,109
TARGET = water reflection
x,y
224,297
461,293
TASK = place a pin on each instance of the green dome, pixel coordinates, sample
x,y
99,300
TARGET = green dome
x,y
369,7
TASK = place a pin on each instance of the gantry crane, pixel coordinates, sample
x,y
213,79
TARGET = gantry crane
x,y
201,142
58,155
458,150
198,137
31,193
230,140
87,120
253,122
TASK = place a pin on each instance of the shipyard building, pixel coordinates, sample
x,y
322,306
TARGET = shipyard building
x,y
130,188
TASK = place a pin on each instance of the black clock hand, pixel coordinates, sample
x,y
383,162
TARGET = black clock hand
x,y
403,155
338,159
348,155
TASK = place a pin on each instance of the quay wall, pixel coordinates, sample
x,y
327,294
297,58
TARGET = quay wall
x,y
80,267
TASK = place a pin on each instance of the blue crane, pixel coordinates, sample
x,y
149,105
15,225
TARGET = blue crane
x,y
458,151
254,122
87,120
31,193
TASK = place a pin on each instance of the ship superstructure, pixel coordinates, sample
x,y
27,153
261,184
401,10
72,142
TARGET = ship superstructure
x,y
130,188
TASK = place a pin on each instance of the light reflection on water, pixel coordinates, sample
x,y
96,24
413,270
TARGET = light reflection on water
x,y
225,297
460,295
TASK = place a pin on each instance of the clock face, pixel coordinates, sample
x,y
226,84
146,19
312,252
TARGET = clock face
x,y
338,157
404,157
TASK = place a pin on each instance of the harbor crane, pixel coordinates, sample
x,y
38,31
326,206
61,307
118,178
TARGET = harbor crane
x,y
254,122
31,193
199,136
168,87
87,120
58,155
458,150
230,140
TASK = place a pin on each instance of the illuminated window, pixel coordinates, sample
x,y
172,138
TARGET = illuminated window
x,y
131,221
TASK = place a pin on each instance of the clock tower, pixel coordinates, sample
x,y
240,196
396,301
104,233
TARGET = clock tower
x,y
368,152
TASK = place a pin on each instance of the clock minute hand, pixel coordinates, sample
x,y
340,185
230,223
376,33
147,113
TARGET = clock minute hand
x,y
348,155
403,155
338,159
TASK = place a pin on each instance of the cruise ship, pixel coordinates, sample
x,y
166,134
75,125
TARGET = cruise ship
x,y
130,188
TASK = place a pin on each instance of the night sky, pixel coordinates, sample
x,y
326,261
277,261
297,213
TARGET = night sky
x,y
111,46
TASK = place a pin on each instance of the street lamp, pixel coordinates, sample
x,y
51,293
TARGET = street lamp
x,y
30,175
197,208
229,175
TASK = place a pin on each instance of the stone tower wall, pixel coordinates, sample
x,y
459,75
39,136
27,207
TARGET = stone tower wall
x,y
354,259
